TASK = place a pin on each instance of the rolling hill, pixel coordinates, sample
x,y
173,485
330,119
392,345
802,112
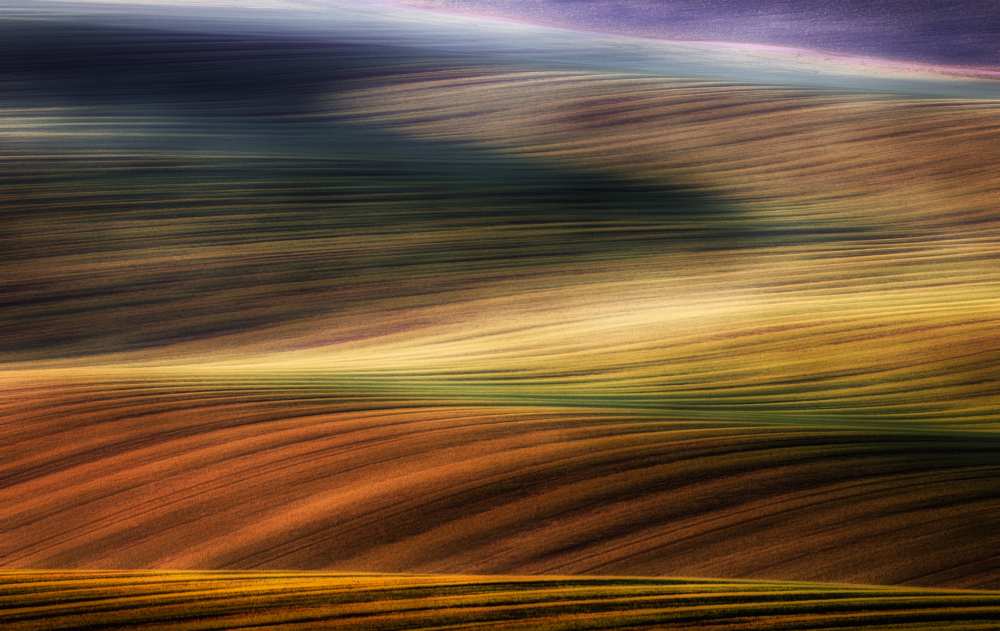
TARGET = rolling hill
x,y
368,305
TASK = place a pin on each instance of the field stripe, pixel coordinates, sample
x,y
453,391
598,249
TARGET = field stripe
x,y
192,600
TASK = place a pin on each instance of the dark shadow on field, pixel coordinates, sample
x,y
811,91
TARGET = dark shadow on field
x,y
84,64
185,195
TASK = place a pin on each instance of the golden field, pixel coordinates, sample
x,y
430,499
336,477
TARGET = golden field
x,y
297,600
415,335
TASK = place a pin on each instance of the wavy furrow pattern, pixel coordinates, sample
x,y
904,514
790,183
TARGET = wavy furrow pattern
x,y
111,475
331,287
842,157
292,600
